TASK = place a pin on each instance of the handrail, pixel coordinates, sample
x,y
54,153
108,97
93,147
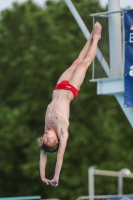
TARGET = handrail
x,y
21,198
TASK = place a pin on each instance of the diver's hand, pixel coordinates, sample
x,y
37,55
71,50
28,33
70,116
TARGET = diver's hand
x,y
45,180
54,182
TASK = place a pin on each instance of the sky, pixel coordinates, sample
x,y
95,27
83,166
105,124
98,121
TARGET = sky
x,y
123,3
8,3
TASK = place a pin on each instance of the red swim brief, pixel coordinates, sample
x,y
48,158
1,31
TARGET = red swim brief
x,y
65,85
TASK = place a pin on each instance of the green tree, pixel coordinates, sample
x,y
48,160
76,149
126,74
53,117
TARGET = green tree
x,y
37,45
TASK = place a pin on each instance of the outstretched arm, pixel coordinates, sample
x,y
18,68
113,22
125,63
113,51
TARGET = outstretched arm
x,y
59,162
43,161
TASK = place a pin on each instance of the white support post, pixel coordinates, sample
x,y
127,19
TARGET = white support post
x,y
122,172
91,187
115,41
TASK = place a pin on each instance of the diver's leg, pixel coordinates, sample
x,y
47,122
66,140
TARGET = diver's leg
x,y
69,72
79,74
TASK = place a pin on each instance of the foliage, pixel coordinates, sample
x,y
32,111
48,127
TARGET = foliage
x,y
37,45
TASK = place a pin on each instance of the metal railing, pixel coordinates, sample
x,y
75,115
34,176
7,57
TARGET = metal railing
x,y
26,198
22,198
92,171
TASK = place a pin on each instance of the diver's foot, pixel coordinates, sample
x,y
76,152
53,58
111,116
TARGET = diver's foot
x,y
97,31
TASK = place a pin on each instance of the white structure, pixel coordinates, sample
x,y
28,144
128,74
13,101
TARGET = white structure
x,y
115,39
92,171
114,84
122,172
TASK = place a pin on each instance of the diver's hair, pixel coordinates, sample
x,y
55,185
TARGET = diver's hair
x,y
46,148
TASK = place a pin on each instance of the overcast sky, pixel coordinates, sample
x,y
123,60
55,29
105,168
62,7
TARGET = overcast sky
x,y
7,3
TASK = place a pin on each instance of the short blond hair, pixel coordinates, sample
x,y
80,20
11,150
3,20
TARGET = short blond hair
x,y
40,141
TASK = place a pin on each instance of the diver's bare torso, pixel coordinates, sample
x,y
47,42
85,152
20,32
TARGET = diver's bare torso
x,y
57,114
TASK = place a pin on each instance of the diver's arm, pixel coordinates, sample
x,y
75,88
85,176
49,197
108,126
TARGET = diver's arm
x,y
43,161
59,162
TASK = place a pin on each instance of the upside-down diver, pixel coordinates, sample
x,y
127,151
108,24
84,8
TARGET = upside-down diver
x,y
57,114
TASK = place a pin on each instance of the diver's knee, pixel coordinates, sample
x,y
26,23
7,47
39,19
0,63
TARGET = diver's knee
x,y
85,62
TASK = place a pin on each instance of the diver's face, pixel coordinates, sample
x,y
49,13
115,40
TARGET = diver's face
x,y
49,137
